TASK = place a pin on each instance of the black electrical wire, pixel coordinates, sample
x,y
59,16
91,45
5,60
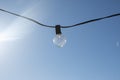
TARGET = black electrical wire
x,y
81,23
92,20
26,18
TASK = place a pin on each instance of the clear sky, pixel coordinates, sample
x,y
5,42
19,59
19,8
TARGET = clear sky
x,y
92,51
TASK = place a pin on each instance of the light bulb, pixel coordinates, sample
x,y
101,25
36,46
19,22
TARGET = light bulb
x,y
59,40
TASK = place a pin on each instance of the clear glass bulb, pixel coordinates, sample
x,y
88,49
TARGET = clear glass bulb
x,y
59,40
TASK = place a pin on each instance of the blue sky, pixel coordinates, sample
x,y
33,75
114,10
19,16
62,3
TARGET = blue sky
x,y
92,51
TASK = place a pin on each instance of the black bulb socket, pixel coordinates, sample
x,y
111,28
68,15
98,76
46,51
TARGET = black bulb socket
x,y
58,29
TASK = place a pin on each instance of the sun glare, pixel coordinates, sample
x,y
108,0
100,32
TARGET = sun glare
x,y
15,31
4,38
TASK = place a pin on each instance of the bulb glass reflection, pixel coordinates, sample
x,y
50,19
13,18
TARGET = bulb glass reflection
x,y
59,40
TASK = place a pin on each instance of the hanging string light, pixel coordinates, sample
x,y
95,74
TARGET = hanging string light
x,y
59,39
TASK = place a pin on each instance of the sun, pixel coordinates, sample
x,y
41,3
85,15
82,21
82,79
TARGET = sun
x,y
4,38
